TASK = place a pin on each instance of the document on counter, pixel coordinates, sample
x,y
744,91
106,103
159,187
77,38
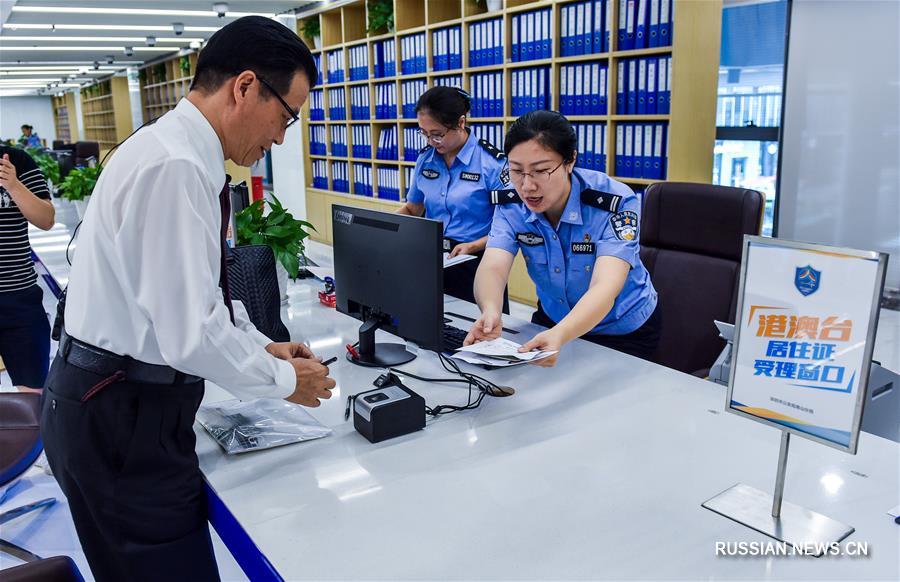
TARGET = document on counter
x,y
499,352
448,262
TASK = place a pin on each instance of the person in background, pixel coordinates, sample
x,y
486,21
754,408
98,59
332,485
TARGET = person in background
x,y
29,138
578,231
24,327
149,316
453,181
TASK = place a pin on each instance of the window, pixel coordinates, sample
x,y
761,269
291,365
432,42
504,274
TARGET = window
x,y
751,81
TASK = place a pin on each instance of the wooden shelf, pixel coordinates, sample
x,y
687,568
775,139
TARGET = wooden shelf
x,y
94,99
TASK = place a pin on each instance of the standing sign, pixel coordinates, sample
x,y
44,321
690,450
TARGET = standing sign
x,y
804,334
804,338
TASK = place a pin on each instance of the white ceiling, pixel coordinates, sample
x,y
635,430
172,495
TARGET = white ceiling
x,y
49,41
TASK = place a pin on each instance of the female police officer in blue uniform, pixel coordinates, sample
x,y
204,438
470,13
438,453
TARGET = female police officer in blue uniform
x,y
578,231
453,181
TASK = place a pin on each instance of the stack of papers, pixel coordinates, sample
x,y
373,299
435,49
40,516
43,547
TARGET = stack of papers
x,y
498,353
448,262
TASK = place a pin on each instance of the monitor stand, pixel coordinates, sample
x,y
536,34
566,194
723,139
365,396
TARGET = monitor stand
x,y
378,355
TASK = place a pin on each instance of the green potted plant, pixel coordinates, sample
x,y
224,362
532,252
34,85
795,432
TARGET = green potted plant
x,y
160,71
279,230
78,186
48,166
381,16
184,65
490,5
311,29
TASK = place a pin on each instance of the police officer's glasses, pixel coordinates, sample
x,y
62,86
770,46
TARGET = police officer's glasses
x,y
537,176
435,138
294,117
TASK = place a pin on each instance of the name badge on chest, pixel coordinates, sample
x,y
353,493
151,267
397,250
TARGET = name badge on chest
x,y
582,248
470,176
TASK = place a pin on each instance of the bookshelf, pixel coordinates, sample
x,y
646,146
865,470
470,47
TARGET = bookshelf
x,y
64,117
690,121
106,112
164,83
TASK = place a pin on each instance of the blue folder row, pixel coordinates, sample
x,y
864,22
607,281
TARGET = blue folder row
x,y
320,174
316,105
414,58
359,103
335,61
317,146
408,175
413,141
644,24
644,86
532,36
489,132
486,43
362,179
487,94
337,104
446,48
583,89
641,150
449,81
389,183
362,141
385,101
387,144
530,90
318,61
359,62
411,91
339,140
384,57
340,180
585,27
591,146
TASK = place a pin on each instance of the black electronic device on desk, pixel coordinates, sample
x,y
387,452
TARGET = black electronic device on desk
x,y
387,412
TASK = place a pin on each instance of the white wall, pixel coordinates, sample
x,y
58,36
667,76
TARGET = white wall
x,y
33,110
840,169
288,177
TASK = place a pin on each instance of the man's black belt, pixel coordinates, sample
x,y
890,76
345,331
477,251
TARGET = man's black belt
x,y
105,363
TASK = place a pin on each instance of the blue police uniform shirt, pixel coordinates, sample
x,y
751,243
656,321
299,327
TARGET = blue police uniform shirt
x,y
460,196
601,218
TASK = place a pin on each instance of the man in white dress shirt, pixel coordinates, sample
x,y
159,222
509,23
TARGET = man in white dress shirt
x,y
149,317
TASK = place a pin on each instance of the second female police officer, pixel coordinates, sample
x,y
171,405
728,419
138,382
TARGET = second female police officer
x,y
453,181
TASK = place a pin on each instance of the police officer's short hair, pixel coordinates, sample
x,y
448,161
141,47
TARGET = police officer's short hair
x,y
551,129
262,45
445,104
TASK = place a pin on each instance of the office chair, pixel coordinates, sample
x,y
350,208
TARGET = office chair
x,y
20,433
691,243
55,569
85,150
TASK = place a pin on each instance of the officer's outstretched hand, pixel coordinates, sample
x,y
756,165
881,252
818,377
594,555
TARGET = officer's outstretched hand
x,y
546,341
488,327
313,382
288,350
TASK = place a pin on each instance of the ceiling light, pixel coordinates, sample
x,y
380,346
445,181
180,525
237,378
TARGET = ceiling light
x,y
132,11
135,27
54,38
221,8
195,44
150,40
178,28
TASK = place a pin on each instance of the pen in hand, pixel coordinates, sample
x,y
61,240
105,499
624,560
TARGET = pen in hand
x,y
329,361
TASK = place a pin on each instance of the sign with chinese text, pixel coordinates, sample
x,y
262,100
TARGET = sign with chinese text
x,y
804,335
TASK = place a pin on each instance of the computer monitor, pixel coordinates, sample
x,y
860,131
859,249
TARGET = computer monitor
x,y
388,271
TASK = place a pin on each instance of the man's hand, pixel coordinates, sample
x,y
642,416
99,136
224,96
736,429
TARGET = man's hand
x,y
469,248
313,382
290,350
488,327
8,178
546,341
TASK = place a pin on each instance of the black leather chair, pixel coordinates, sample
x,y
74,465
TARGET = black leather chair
x,y
691,243
20,433
55,569
85,150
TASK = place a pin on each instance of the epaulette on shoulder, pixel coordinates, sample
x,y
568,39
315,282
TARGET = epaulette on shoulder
x,y
602,200
425,149
491,149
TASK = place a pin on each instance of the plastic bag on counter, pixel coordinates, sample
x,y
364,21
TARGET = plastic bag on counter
x,y
241,426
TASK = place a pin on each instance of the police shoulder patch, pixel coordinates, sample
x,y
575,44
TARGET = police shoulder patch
x,y
625,225
491,149
430,174
504,175
504,197
602,200
529,239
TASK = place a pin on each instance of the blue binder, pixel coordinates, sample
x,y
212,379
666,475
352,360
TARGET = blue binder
x,y
638,151
651,86
642,87
630,10
621,31
603,91
632,87
620,149
653,24
647,171
640,27
665,22
621,89
664,92
547,41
